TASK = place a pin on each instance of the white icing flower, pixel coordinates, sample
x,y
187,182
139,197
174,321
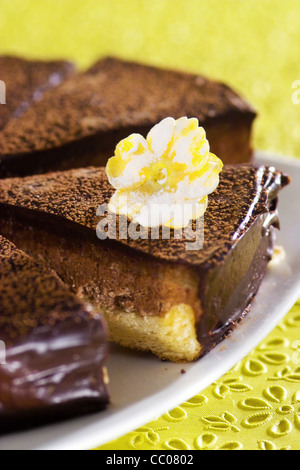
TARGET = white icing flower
x,y
164,179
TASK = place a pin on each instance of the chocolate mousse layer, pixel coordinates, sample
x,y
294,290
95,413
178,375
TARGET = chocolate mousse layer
x,y
54,218
80,122
26,82
55,346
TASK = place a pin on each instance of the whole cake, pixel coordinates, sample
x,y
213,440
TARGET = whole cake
x,y
79,123
56,346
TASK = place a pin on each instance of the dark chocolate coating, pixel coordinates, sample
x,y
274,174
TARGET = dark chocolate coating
x,y
80,122
26,81
238,238
244,193
56,346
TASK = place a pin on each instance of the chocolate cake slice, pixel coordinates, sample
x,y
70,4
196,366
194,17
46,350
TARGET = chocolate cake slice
x,y
80,122
155,294
26,81
56,346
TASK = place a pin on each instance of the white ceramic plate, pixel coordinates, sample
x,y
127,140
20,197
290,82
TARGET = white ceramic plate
x,y
143,388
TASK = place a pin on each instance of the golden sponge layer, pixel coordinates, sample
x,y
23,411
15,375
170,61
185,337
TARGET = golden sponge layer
x,y
171,337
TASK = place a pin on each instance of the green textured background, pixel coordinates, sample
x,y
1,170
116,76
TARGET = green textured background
x,y
254,45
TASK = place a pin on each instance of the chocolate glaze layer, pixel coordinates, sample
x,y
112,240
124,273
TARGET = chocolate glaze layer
x,y
79,123
238,240
56,346
26,81
244,193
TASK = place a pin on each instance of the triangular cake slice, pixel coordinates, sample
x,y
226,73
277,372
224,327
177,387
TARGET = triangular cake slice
x,y
26,81
53,363
156,295
80,122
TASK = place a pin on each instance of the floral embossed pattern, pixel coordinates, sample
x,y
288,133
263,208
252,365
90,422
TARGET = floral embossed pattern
x,y
255,406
